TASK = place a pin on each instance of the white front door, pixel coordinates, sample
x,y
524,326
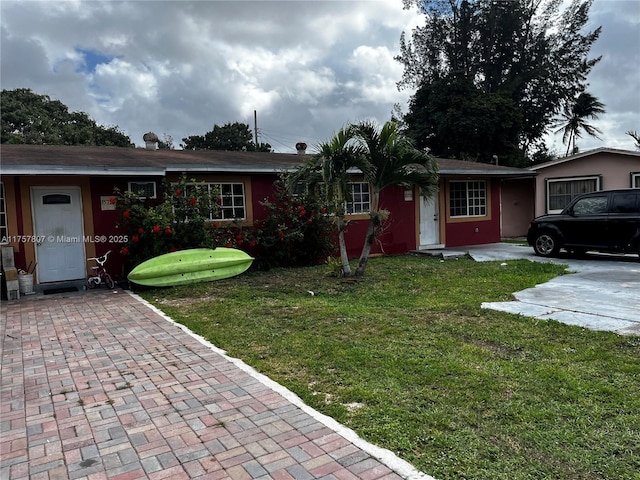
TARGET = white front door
x,y
57,223
429,223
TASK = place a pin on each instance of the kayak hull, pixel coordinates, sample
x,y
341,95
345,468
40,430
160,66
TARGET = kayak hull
x,y
190,266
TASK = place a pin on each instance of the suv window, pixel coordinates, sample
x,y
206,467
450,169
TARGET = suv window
x,y
625,203
590,206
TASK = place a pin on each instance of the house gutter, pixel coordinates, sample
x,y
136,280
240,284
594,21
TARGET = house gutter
x,y
475,172
81,170
229,169
135,171
487,173
163,170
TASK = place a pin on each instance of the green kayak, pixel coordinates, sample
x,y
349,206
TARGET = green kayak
x,y
190,266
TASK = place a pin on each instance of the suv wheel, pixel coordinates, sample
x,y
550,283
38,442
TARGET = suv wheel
x,y
546,244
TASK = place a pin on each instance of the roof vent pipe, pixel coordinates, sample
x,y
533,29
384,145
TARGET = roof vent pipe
x,y
150,141
301,148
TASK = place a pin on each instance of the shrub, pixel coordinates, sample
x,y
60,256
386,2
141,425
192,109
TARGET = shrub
x,y
179,221
296,230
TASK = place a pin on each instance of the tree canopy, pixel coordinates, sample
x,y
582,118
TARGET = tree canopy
x,y
491,76
230,136
36,119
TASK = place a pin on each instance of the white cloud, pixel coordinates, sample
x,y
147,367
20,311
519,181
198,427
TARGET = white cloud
x,y
307,67
378,74
615,80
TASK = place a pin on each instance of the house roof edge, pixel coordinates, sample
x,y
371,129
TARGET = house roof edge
x,y
488,173
78,170
586,153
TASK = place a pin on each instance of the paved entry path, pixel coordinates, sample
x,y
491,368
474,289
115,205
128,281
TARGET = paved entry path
x,y
101,385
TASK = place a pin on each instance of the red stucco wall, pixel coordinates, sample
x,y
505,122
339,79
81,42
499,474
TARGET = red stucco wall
x,y
477,231
261,189
399,232
104,221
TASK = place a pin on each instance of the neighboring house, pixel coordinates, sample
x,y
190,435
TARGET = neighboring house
x,y
561,180
55,207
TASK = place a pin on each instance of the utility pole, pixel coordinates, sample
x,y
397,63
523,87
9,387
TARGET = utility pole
x,y
255,126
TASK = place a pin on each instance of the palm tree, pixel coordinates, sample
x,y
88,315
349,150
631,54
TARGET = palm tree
x,y
633,134
574,119
327,172
390,159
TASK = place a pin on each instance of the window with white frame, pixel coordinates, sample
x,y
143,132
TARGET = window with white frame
x,y
360,198
3,213
561,191
231,200
232,205
360,195
635,180
143,189
468,198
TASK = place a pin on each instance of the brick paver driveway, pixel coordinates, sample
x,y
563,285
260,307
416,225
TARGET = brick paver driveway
x,y
100,385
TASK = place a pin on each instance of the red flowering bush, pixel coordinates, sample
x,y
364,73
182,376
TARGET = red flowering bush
x,y
156,227
291,234
234,235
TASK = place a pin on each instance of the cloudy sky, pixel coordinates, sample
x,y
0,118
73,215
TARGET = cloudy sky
x,y
306,67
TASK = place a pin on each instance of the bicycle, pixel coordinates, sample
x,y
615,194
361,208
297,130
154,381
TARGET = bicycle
x,y
100,275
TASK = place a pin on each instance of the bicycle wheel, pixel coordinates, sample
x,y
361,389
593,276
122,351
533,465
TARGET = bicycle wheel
x,y
92,282
109,281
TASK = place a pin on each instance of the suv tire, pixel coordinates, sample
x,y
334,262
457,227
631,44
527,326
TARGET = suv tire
x,y
546,244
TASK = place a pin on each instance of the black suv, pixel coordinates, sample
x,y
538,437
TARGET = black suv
x,y
605,221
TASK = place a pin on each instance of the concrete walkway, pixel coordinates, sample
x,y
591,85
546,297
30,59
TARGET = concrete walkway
x,y
601,293
101,385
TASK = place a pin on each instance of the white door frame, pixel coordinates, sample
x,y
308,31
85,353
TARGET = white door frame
x,y
429,218
59,231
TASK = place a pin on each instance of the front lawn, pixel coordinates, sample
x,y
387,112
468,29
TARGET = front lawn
x,y
408,359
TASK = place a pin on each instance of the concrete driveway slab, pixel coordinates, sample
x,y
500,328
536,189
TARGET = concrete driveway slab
x,y
602,292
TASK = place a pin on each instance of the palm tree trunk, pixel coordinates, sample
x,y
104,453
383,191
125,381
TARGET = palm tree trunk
x,y
344,258
571,139
374,222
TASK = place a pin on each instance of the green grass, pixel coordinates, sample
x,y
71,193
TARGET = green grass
x,y
408,359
